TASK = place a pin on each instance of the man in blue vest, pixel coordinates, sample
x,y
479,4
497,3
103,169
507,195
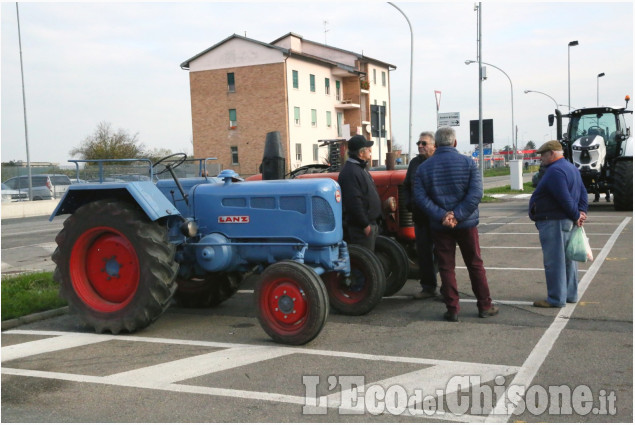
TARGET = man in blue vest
x,y
449,188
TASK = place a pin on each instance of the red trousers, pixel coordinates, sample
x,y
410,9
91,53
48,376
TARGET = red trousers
x,y
445,245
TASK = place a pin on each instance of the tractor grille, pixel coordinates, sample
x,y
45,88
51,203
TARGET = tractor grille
x,y
323,217
405,216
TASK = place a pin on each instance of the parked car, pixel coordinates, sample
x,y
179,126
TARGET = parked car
x,y
44,186
10,195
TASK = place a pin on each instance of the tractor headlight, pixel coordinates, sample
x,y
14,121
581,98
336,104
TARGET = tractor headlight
x,y
594,147
189,228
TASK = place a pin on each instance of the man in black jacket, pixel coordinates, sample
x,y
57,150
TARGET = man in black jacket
x,y
423,235
360,200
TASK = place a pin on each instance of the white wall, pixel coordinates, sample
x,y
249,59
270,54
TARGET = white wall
x,y
305,99
234,53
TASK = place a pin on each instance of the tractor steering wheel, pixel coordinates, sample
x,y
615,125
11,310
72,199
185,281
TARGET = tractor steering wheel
x,y
171,164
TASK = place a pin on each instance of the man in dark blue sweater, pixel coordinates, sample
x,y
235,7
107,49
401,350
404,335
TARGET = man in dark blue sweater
x,y
559,203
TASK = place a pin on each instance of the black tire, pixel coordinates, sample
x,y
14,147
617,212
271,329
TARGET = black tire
x,y
368,283
395,263
623,185
115,267
208,291
291,303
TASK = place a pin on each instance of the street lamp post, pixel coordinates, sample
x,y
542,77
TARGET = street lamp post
x,y
544,94
514,141
598,80
411,56
571,43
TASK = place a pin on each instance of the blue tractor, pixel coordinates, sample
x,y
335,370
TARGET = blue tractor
x,y
129,246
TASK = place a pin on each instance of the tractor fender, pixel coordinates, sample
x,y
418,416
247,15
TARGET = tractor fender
x,y
143,193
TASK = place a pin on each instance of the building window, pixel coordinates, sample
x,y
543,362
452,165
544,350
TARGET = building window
x,y
316,150
337,90
340,123
296,115
328,118
233,122
231,83
374,76
327,86
298,151
383,78
234,150
296,80
313,117
312,82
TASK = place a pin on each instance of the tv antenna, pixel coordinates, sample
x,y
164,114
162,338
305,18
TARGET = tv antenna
x,y
325,30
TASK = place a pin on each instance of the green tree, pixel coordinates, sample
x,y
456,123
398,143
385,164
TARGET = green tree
x,y
105,143
530,145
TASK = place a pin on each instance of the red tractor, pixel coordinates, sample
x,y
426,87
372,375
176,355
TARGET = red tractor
x,y
395,247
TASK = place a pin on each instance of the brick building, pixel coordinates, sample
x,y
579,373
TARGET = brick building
x,y
242,88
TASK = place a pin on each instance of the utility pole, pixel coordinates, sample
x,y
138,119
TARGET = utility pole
x,y
479,53
26,132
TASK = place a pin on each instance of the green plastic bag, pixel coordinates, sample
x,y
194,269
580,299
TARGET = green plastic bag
x,y
578,248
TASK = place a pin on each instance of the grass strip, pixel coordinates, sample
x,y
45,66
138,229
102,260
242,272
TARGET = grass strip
x,y
29,293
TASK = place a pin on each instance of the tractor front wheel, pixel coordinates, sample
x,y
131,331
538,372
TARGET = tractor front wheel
x,y
623,185
115,267
291,302
363,291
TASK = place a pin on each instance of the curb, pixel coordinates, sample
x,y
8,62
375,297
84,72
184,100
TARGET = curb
x,y
30,318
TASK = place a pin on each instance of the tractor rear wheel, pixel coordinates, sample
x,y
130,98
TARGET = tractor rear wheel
x,y
291,303
367,283
115,267
623,185
395,263
207,291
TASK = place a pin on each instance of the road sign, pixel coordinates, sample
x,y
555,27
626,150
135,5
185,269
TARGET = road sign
x,y
449,118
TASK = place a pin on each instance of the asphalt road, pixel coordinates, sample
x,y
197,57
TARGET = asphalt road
x,y
218,365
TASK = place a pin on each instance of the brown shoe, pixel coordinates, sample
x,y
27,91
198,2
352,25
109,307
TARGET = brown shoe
x,y
544,304
423,295
492,311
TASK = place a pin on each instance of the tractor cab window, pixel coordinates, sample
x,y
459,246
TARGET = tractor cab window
x,y
604,125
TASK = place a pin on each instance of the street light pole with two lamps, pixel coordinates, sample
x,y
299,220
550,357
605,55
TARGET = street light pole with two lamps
x,y
514,141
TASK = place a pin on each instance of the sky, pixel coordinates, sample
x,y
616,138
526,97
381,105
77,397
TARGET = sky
x,y
118,62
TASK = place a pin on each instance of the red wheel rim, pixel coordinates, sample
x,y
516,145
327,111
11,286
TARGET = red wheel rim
x,y
104,269
358,290
283,305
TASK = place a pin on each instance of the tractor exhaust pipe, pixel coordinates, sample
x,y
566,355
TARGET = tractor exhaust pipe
x,y
273,165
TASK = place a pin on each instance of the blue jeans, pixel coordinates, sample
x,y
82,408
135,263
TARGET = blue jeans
x,y
561,274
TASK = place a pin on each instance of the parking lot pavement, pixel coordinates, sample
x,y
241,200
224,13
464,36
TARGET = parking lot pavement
x,y
218,365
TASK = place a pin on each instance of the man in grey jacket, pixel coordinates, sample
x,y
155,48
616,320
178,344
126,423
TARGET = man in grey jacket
x,y
448,187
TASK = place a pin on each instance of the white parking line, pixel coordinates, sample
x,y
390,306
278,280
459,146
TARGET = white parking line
x,y
539,354
166,376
